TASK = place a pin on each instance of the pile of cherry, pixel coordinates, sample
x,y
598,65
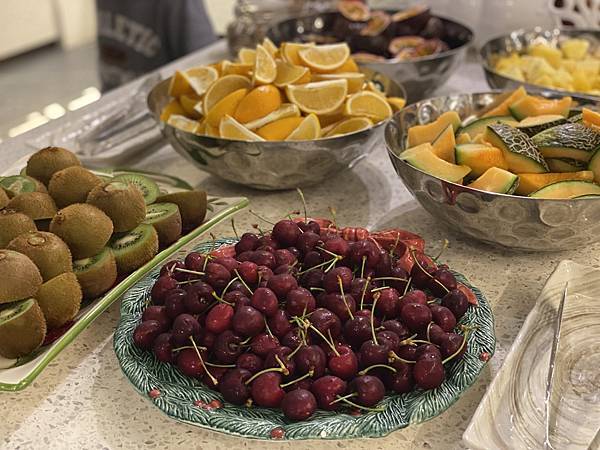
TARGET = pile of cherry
x,y
301,318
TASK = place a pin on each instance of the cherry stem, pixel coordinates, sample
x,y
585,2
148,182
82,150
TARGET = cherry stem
x,y
393,249
245,341
374,366
283,367
318,266
332,265
462,345
316,289
258,374
407,286
382,288
293,352
375,298
207,258
441,284
228,286
429,302
392,356
412,253
225,366
184,347
267,328
389,278
442,250
195,272
344,297
243,282
308,374
213,379
188,281
315,329
366,408
428,331
333,215
362,267
233,228
411,341
301,194
341,399
219,299
260,217
335,255
362,297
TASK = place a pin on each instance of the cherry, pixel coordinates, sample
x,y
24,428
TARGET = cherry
x,y
195,261
401,381
279,323
415,316
267,240
456,302
280,354
387,302
287,270
292,338
162,286
284,257
264,273
265,301
264,258
337,245
342,306
236,297
313,226
425,349
357,330
217,275
450,343
367,313
286,232
307,241
227,347
238,286
299,301
331,281
248,271
216,373
415,296
249,361
266,390
434,333
388,338
423,270
311,358
312,279
189,363
399,275
233,386
158,313
326,390
384,266
231,264
305,383
219,318
248,242
207,339
169,269
443,281
294,251
245,256
145,333
262,344
367,250
397,327
372,353
369,390
175,303
407,352
344,365
299,404
248,321
162,348
282,284
312,259
428,372
443,317
198,297
184,326
360,289
326,322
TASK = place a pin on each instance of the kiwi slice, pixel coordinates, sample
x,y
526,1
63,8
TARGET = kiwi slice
x,y
192,206
22,328
148,187
72,185
60,299
166,220
122,202
44,163
135,248
20,184
12,224
37,205
4,198
96,274
49,252
20,276
84,228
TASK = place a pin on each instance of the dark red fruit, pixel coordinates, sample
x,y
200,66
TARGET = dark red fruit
x,y
263,343
266,390
428,372
443,282
384,266
369,389
279,323
407,352
456,302
299,301
428,349
387,303
265,301
312,279
198,297
281,354
195,261
158,313
342,306
416,296
219,318
175,303
227,347
284,257
231,264
282,284
423,270
345,365
326,390
434,333
299,404
248,271
397,327
233,386
401,381
286,232
337,245
217,275
170,267
217,373
367,250
307,241
331,281
415,316
443,317
162,348
357,330
264,258
372,353
189,363
292,338
264,274
450,343
312,259
236,297
248,321
311,358
184,327
326,322
248,242
360,289
400,278
162,286
249,361
145,333
389,339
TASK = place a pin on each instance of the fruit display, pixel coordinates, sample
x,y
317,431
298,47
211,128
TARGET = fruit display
x,y
523,145
294,92
309,316
572,65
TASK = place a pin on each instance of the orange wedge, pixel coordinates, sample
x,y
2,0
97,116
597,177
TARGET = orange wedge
x,y
265,69
349,66
179,85
173,107
279,129
200,78
351,125
308,129
355,79
290,74
188,103
247,55
372,87
397,103
222,87
259,102
368,104
209,130
285,110
230,68
183,123
270,47
289,52
321,97
230,128
226,106
325,58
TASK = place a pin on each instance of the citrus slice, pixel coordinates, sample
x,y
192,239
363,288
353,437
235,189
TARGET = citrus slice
x,y
308,129
201,127
265,69
199,107
179,85
223,86
372,87
188,103
290,74
397,103
368,104
321,97
226,106
232,129
230,68
278,130
247,55
351,125
211,131
325,58
259,102
183,123
270,47
349,66
355,79
285,110
289,52
200,78
173,107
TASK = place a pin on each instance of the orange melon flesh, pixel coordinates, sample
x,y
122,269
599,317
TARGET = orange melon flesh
x,y
443,146
420,134
590,117
501,109
423,158
463,138
480,157
531,182
495,180
534,106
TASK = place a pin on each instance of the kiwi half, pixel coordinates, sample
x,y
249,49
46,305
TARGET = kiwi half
x,y
166,220
96,274
49,252
37,205
147,186
84,228
44,163
12,224
22,328
20,276
4,198
192,206
19,184
122,202
60,299
72,185
135,248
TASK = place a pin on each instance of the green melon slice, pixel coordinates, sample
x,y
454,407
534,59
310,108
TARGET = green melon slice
x,y
535,106
565,165
567,189
423,158
531,182
594,165
479,157
496,180
520,153
478,126
419,134
569,140
536,124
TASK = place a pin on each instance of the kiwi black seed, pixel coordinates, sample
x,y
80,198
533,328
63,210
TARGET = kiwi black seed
x,y
192,206
96,274
122,202
12,224
37,205
60,299
44,163
147,186
72,185
19,184
22,328
4,198
49,252
20,276
84,228
134,248
166,220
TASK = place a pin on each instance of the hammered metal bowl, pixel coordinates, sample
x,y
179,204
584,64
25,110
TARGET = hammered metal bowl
x,y
420,77
277,164
518,41
506,221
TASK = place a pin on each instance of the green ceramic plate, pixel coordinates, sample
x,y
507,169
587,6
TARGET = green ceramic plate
x,y
177,393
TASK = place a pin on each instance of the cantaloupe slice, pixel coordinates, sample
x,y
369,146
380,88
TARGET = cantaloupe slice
x,y
443,145
500,106
480,157
531,182
463,138
567,189
535,106
590,117
423,158
420,134
594,165
496,180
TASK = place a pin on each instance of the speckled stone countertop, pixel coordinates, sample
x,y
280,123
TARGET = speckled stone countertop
x,y
83,401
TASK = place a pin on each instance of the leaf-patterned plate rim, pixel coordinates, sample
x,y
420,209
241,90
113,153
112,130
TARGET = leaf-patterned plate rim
x,y
175,394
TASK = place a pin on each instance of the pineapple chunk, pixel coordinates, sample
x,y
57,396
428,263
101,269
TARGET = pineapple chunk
x,y
581,82
575,48
550,54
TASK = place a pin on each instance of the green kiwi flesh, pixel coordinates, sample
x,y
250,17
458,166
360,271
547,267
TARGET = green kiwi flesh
x,y
4,198
44,163
84,228
12,224
22,328
37,205
20,184
60,299
166,220
192,206
147,186
72,185
135,248
20,276
122,202
96,274
48,252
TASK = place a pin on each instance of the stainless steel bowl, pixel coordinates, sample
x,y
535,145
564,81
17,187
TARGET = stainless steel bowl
x,y
506,221
420,77
273,165
518,41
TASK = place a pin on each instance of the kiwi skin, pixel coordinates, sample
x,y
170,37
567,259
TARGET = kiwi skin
x,y
84,228
49,252
123,203
134,256
24,334
12,224
3,198
96,274
37,205
60,299
168,226
44,163
192,206
72,185
20,277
